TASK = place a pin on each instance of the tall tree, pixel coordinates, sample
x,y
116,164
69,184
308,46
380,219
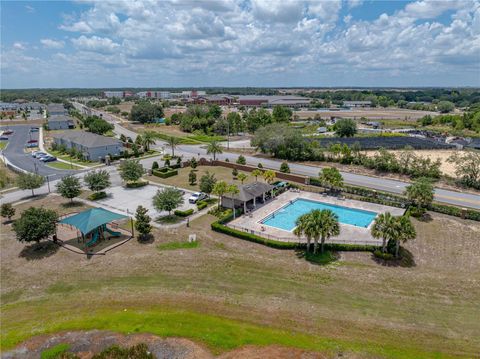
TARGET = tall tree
x,y
173,142
167,199
269,177
131,170
242,177
207,182
35,224
233,190
345,127
148,139
142,222
317,224
69,187
97,181
145,112
420,193
256,173
330,177
384,227
404,231
30,181
214,148
219,189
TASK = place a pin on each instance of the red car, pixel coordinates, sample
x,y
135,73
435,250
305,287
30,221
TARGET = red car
x,y
32,141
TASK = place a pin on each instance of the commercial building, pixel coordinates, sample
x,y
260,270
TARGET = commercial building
x,y
92,146
60,122
117,94
221,100
357,104
271,101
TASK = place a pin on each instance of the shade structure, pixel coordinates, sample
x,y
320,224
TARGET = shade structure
x,y
91,219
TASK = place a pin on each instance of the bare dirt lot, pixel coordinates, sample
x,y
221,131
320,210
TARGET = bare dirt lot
x,y
227,293
371,114
447,168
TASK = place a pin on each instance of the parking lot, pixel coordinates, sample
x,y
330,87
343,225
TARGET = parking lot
x,y
17,155
128,199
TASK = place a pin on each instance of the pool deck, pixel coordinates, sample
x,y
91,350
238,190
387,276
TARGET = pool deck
x,y
348,234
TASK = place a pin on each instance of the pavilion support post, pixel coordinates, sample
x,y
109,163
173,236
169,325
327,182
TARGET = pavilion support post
x,y
245,207
131,223
263,197
254,202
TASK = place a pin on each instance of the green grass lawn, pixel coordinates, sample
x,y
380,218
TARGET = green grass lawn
x,y
228,292
63,166
3,145
69,158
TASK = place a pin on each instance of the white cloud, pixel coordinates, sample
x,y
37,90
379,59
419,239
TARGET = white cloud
x,y
263,42
52,44
19,46
29,8
101,45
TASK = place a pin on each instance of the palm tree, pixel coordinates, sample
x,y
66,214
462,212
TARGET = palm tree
x,y
219,189
384,227
327,222
173,142
304,227
269,177
257,173
233,190
214,148
317,224
148,139
405,231
242,177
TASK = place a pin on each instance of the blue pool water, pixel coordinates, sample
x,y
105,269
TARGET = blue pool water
x,y
286,216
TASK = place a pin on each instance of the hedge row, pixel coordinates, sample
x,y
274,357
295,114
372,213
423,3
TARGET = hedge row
x,y
393,200
97,195
136,184
186,213
219,226
201,205
165,172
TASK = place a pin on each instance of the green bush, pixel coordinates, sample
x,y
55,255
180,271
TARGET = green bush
x,y
219,226
154,165
136,184
165,172
201,205
55,351
379,254
186,213
97,195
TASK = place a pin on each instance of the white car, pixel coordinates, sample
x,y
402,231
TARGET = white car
x,y
197,196
38,154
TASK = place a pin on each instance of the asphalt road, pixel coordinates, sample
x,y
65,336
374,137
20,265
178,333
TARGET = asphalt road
x,y
15,153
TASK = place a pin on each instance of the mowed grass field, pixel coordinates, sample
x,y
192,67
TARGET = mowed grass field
x,y
226,293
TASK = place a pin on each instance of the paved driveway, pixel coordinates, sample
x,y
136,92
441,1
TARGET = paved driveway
x,y
128,199
15,153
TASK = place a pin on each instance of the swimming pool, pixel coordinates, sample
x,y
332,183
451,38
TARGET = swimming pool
x,y
285,217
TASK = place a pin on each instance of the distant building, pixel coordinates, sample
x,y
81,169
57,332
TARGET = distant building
x,y
60,122
93,147
117,94
322,130
357,104
271,101
56,109
221,100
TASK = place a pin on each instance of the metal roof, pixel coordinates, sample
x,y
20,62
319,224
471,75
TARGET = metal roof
x,y
91,219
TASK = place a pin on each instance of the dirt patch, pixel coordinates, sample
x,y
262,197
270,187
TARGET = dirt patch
x,y
86,344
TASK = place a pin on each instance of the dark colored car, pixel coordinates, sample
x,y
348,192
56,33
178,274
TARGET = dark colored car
x,y
48,159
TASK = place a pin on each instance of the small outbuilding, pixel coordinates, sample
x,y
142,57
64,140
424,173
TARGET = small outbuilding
x,y
248,196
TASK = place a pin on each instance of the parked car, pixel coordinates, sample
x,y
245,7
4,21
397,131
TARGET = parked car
x,y
38,154
197,196
32,145
48,158
32,141
34,129
3,138
7,132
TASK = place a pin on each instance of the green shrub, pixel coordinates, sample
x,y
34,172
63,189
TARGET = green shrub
x,y
201,205
219,226
55,351
186,213
97,195
136,184
379,254
165,172
154,165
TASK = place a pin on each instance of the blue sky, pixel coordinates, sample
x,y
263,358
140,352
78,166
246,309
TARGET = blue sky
x,y
240,43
